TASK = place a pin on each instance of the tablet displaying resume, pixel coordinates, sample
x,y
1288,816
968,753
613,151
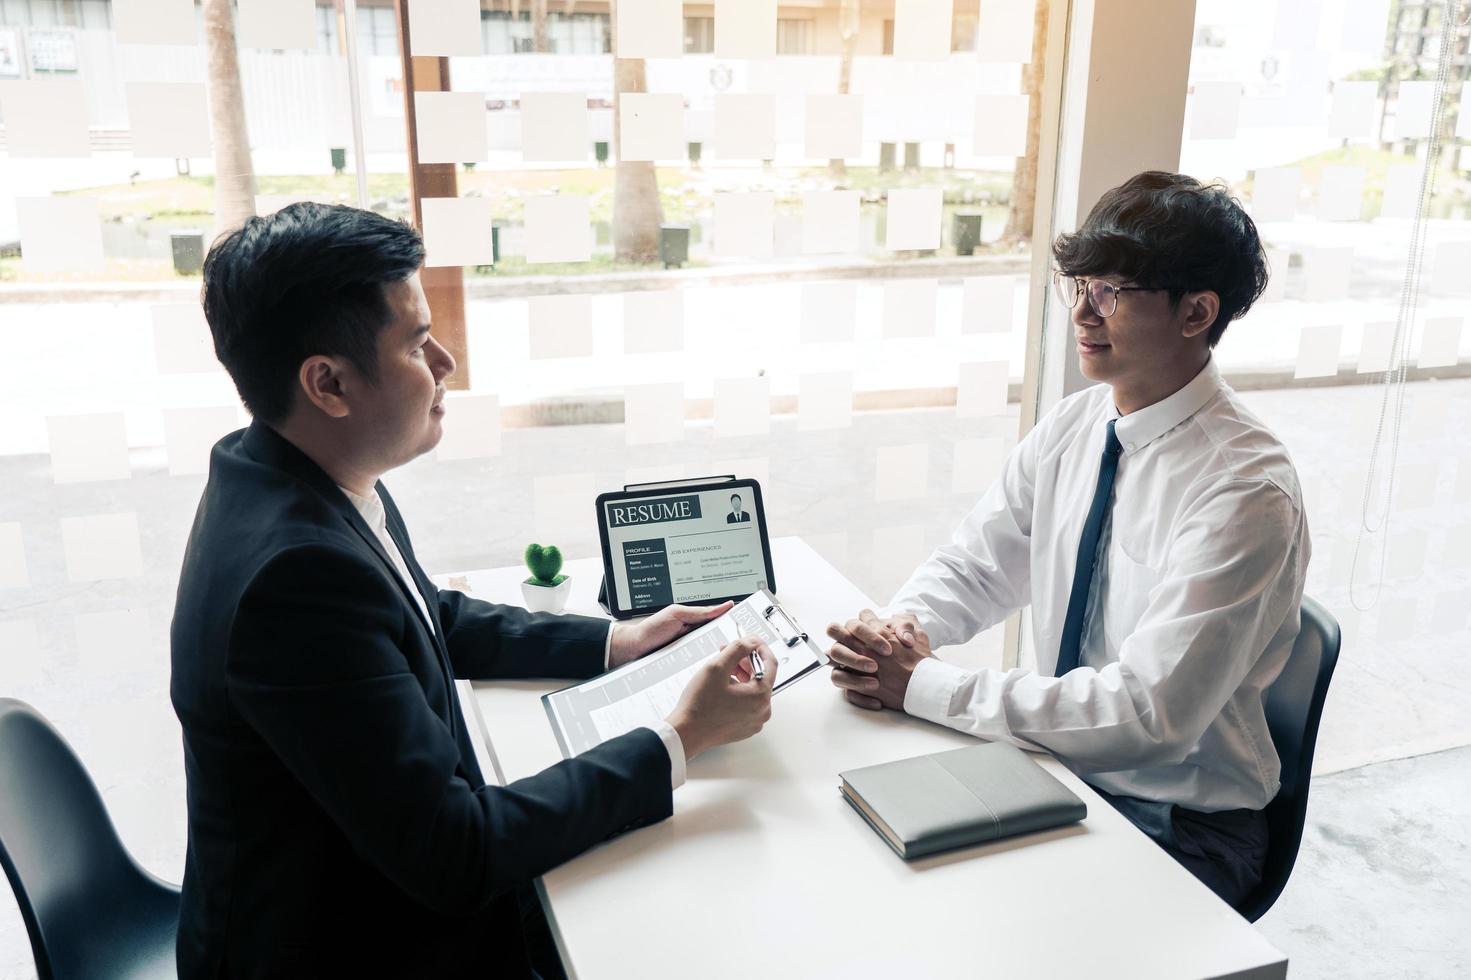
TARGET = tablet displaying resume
x,y
696,544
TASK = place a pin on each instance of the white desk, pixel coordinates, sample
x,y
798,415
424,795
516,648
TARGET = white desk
x,y
764,871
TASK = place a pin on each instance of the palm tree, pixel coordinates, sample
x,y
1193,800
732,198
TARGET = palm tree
x,y
539,27
1024,178
848,29
637,213
234,174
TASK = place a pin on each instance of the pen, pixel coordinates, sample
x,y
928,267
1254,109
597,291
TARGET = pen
x,y
758,669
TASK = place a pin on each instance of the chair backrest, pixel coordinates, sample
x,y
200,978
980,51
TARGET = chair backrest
x,y
59,849
1294,706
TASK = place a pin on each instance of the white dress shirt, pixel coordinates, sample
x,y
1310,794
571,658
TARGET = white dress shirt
x,y
373,514
1191,613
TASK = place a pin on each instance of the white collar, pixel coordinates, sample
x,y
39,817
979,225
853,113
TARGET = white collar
x,y
1139,428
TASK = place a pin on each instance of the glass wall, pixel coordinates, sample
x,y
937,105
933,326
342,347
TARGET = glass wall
x,y
1327,120
800,254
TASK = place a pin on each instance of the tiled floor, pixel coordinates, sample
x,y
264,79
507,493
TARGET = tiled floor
x,y
1361,903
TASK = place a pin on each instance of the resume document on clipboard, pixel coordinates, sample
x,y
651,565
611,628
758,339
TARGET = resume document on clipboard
x,y
643,693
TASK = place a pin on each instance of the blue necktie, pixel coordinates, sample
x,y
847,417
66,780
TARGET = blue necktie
x,y
1077,603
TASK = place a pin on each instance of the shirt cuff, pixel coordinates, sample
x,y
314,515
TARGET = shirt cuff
x,y
675,747
932,688
608,646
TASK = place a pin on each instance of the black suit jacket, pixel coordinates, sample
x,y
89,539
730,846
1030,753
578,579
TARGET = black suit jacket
x,y
337,818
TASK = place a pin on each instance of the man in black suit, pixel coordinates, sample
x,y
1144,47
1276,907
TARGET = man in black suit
x,y
736,515
338,822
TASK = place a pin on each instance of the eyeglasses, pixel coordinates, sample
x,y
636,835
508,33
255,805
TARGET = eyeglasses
x,y
1103,297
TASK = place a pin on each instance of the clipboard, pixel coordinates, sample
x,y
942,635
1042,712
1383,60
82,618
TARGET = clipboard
x,y
643,693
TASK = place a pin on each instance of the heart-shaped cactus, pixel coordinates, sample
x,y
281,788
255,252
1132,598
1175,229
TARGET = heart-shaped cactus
x,y
544,563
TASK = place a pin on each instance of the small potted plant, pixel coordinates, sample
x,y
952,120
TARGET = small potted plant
x,y
546,590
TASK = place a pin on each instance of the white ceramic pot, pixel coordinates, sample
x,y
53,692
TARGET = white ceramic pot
x,y
546,598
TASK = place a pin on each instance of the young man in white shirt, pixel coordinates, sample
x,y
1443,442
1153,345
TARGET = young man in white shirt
x,y
1156,529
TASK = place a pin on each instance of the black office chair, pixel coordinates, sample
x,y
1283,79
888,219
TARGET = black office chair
x,y
1294,708
90,909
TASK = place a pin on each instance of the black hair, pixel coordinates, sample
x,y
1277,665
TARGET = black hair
x,y
305,280
1169,231
735,496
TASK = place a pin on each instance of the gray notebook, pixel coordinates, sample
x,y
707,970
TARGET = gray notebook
x,y
965,796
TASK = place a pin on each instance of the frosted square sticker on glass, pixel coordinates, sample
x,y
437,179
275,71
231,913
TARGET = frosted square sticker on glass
x,y
650,29
472,427
444,28
1352,115
1001,125
45,118
457,231
114,641
101,546
1215,110
1328,270
745,126
88,447
913,219
561,326
651,126
554,127
829,222
829,312
745,28
1415,485
833,128
563,507
1450,270
451,127
557,228
978,463
922,29
21,658
189,434
1440,342
1278,261
1407,549
278,24
182,343
744,222
901,472
982,390
1413,110
1317,351
988,304
1340,193
168,119
1396,620
1401,191
909,307
13,572
653,413
59,234
1274,193
1376,347
1004,34
1450,611
742,407
756,468
653,321
825,401
154,21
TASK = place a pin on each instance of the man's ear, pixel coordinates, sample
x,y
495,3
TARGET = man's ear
x,y
324,385
1199,312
